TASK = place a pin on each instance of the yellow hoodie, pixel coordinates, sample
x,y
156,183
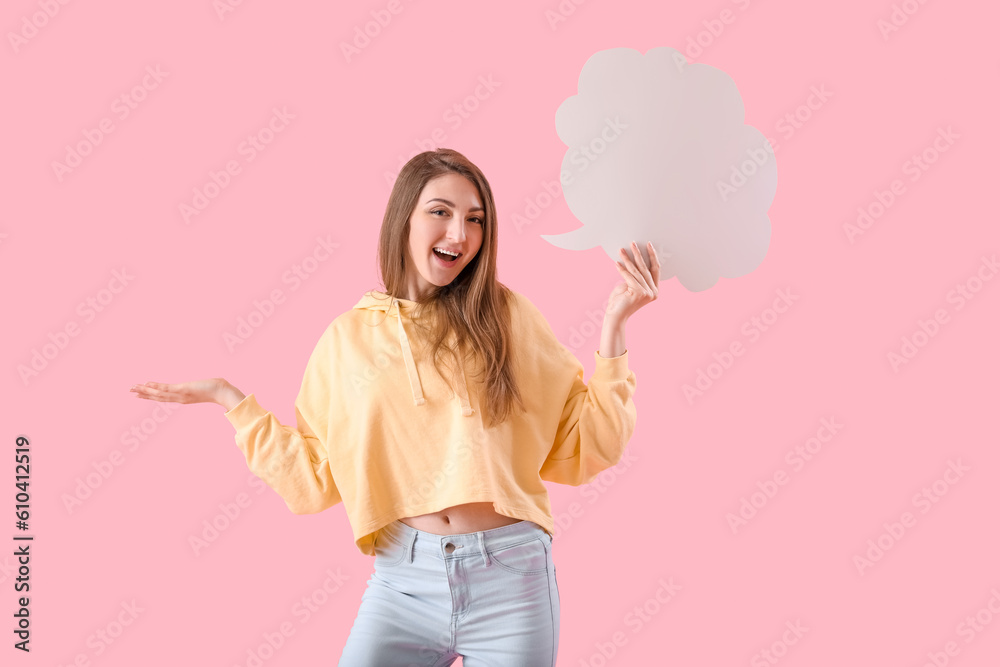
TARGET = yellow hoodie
x,y
381,431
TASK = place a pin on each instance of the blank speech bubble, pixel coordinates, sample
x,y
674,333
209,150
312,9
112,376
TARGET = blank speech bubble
x,y
657,151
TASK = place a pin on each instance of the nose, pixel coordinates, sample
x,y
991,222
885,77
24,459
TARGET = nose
x,y
456,229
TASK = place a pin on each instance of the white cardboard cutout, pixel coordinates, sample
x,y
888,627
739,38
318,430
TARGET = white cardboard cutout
x,y
657,151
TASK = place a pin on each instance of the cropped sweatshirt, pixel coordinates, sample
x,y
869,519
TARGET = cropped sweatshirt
x,y
381,430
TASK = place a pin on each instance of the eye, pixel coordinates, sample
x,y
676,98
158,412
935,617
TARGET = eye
x,y
478,221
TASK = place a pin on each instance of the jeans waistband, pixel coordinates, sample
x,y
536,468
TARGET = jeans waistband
x,y
465,544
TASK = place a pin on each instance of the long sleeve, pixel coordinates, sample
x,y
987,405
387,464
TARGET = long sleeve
x,y
293,461
596,423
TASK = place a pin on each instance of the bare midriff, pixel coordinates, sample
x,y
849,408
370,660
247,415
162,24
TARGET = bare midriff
x,y
467,518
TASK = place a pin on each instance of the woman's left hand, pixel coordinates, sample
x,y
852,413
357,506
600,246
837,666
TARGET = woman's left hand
x,y
641,286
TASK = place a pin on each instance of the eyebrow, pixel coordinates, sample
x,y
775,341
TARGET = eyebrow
x,y
450,203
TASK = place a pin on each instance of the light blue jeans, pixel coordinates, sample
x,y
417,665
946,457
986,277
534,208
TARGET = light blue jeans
x,y
489,596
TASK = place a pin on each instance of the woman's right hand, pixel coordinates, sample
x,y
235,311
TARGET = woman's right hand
x,y
213,390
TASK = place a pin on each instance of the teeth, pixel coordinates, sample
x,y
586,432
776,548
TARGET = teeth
x,y
453,254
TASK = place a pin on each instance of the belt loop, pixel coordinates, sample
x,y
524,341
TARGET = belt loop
x,y
413,540
482,547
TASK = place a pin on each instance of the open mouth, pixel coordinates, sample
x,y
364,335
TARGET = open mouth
x,y
445,258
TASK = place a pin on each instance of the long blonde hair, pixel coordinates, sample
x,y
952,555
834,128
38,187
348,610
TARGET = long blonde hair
x,y
475,304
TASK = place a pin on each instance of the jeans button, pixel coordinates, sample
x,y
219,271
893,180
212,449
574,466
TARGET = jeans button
x,y
449,547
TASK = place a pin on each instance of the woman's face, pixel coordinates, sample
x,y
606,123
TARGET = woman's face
x,y
448,216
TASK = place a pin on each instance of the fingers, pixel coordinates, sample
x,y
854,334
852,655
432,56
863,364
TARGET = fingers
x,y
641,281
654,260
198,391
637,254
153,391
651,283
630,278
650,275
629,263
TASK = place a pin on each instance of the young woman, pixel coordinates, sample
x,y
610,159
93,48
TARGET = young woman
x,y
441,478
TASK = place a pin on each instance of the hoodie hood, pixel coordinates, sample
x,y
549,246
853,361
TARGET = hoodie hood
x,y
401,309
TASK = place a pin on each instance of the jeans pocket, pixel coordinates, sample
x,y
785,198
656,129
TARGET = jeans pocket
x,y
526,558
388,552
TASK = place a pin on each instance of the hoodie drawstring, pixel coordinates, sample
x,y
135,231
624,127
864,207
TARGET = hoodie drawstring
x,y
463,389
411,370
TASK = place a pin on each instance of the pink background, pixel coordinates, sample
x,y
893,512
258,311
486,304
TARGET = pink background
x,y
662,517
